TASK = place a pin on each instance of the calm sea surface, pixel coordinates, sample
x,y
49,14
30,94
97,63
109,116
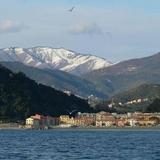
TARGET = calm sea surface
x,y
79,144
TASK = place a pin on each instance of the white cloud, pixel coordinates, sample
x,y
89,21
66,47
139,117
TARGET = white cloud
x,y
8,26
88,29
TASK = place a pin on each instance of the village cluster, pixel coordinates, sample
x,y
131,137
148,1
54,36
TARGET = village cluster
x,y
101,119
131,102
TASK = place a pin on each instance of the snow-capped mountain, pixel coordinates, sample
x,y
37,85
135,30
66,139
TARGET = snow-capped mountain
x,y
47,57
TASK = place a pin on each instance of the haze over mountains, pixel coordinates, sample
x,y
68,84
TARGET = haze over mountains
x,y
83,75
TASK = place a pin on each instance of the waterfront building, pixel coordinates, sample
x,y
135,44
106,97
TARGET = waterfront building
x,y
32,123
101,119
105,119
132,122
120,122
64,119
41,122
85,119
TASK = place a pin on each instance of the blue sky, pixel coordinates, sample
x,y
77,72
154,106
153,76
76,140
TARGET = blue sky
x,y
114,29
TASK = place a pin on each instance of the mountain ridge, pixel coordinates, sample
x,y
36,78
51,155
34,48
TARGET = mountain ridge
x,y
57,79
127,74
54,58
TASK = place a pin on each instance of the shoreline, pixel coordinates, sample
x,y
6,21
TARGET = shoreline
x,y
109,128
16,126
150,128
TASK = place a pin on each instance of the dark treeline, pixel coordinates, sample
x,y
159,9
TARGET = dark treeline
x,y
21,97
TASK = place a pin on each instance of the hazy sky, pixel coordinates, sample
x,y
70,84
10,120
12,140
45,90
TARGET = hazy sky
x,y
113,29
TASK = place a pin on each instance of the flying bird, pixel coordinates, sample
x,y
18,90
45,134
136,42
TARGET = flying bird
x,y
70,113
70,10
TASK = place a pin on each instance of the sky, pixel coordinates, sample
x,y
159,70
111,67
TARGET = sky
x,y
113,29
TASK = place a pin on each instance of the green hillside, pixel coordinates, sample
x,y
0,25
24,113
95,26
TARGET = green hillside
x,y
150,91
137,99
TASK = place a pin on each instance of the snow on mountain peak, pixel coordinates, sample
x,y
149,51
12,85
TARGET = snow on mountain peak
x,y
47,57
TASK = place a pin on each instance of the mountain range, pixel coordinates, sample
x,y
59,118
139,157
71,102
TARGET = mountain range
x,y
126,75
60,80
51,58
82,75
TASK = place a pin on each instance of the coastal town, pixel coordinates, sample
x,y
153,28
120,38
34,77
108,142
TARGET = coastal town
x,y
97,120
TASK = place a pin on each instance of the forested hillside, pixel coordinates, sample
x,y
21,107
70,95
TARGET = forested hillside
x,y
21,97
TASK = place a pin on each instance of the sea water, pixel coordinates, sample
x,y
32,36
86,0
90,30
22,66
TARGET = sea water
x,y
82,144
